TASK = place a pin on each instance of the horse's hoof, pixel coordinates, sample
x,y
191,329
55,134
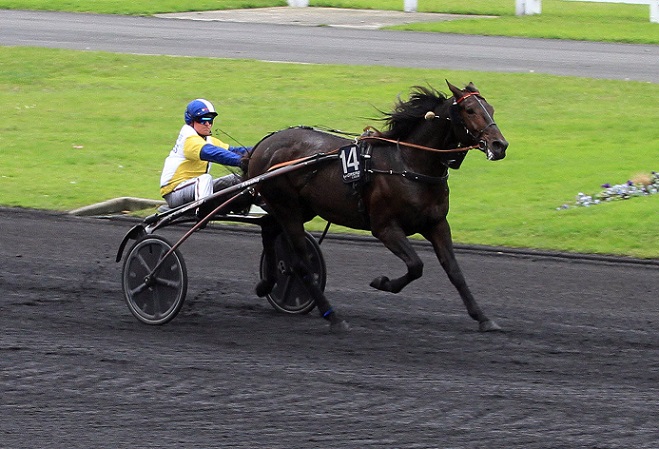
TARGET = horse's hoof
x,y
488,326
263,288
339,327
381,283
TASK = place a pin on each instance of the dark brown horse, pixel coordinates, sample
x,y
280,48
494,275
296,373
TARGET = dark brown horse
x,y
403,188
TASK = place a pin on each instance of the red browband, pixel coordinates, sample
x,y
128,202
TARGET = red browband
x,y
467,95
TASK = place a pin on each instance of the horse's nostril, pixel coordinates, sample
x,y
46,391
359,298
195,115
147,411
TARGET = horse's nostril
x,y
499,146
498,149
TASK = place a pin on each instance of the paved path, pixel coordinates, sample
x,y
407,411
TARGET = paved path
x,y
289,43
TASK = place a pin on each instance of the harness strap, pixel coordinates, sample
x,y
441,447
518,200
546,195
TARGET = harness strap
x,y
413,176
302,159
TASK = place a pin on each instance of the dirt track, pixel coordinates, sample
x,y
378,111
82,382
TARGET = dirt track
x,y
578,365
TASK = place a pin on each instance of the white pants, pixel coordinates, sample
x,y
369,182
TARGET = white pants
x,y
198,188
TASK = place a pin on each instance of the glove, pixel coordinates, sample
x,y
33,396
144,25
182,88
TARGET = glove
x,y
244,163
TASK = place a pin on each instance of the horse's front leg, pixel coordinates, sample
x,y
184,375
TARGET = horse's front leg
x,y
440,237
396,241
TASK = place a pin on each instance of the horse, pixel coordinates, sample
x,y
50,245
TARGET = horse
x,y
405,191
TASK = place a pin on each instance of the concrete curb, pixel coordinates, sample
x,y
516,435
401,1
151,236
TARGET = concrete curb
x,y
370,19
117,205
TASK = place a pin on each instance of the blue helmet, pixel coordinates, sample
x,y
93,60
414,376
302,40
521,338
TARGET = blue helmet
x,y
197,108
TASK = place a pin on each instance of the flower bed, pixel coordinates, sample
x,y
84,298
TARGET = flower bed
x,y
641,185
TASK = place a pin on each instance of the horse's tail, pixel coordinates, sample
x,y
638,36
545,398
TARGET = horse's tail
x,y
244,161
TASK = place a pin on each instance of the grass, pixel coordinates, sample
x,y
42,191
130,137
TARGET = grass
x,y
560,19
136,7
566,136
81,127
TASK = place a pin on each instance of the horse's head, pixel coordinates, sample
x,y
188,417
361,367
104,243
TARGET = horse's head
x,y
473,117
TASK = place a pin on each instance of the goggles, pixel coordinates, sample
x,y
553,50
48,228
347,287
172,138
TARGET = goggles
x,y
205,120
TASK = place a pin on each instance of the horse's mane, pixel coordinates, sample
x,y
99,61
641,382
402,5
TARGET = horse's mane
x,y
406,115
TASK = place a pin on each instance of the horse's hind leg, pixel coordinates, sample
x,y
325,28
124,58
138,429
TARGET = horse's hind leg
x,y
440,237
396,241
302,269
270,229
295,234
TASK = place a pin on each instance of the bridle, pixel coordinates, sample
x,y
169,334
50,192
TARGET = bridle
x,y
481,145
490,121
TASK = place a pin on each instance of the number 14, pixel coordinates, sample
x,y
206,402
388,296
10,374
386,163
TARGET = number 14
x,y
349,159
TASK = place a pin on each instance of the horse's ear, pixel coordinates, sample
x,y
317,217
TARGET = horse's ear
x,y
471,87
457,93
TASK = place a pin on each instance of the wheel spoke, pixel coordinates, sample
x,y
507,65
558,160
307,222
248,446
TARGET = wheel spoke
x,y
139,289
143,262
157,309
163,251
286,287
167,282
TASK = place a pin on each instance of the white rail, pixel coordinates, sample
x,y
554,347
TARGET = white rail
x,y
526,7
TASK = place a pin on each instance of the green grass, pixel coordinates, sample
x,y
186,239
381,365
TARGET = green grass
x,y
560,19
136,7
81,127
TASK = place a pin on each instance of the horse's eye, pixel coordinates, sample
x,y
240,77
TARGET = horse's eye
x,y
469,111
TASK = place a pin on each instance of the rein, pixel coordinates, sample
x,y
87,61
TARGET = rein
x,y
419,177
419,147
382,139
302,159
411,175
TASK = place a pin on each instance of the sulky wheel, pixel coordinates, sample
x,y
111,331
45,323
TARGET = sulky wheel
x,y
154,297
289,294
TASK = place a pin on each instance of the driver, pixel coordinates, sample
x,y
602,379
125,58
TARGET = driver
x,y
185,175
